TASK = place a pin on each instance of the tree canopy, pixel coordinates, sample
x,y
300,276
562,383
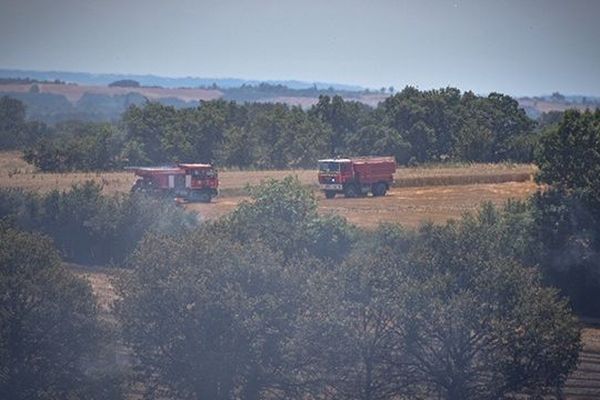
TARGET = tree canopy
x,y
49,330
249,305
414,126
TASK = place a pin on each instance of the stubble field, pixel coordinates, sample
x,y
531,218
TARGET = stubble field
x,y
433,193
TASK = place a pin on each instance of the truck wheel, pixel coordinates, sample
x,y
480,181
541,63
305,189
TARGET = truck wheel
x,y
379,189
204,197
329,194
350,191
201,196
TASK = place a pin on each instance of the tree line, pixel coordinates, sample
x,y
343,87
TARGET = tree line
x,y
414,126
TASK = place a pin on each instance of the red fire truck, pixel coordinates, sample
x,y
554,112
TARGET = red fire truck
x,y
192,182
356,176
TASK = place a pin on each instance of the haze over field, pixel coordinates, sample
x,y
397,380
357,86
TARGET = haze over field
x,y
516,47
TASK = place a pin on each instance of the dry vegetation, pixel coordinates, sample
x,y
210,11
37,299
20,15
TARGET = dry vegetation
x,y
14,172
407,205
434,193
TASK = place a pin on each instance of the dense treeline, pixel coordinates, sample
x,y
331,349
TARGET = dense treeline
x,y
414,126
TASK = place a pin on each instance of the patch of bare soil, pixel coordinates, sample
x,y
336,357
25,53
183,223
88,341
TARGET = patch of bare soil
x,y
409,206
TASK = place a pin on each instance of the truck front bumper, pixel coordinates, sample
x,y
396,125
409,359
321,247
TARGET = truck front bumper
x,y
331,186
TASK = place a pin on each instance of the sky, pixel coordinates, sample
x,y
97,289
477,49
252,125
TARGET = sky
x,y
518,47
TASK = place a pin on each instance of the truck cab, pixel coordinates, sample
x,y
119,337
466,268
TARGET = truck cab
x,y
194,182
333,173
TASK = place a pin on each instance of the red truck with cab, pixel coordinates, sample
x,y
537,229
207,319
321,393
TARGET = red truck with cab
x,y
192,182
356,176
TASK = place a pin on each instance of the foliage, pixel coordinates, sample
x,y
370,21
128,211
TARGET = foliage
x,y
278,302
567,230
283,216
124,83
12,121
446,312
49,328
89,227
15,131
77,146
483,325
569,156
567,215
222,318
412,125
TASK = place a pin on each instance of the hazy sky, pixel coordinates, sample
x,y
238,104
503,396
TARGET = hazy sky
x,y
516,47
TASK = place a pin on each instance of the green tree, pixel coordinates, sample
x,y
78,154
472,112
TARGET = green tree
x,y
569,156
510,125
342,116
49,330
351,334
483,325
567,215
12,122
89,227
239,148
278,215
148,126
223,318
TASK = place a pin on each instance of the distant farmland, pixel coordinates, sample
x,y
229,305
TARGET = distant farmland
x,y
74,92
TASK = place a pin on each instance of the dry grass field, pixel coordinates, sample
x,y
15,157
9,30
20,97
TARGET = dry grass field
x,y
406,205
432,193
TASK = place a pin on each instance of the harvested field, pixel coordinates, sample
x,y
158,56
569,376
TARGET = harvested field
x,y
432,193
406,205
14,172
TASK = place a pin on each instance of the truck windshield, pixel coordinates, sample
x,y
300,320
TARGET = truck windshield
x,y
204,173
329,166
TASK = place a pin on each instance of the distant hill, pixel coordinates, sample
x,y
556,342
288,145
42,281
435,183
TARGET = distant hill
x,y
56,96
536,106
84,78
